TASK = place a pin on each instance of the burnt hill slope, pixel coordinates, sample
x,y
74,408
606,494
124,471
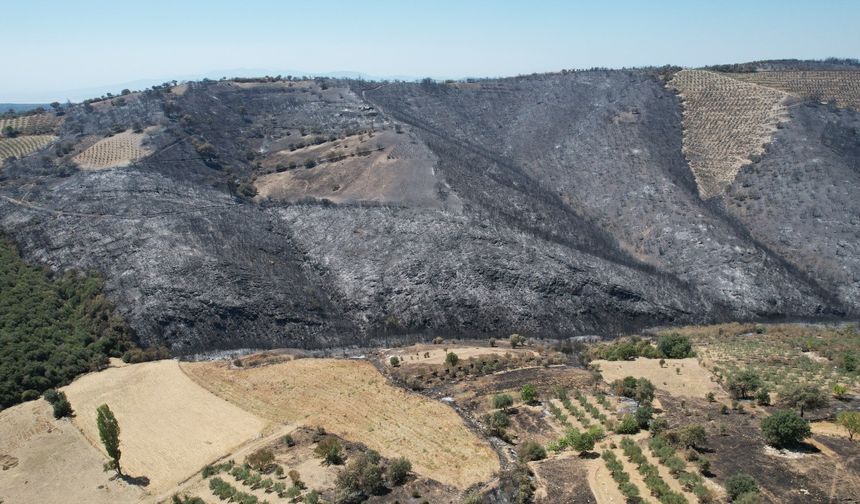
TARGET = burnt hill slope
x,y
552,205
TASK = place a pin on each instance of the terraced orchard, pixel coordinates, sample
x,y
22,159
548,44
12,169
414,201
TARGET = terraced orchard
x,y
32,124
113,152
842,87
727,122
21,146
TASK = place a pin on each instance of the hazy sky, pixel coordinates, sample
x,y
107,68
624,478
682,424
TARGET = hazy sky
x,y
55,49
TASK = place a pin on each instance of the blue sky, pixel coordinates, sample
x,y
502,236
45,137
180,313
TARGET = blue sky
x,y
60,49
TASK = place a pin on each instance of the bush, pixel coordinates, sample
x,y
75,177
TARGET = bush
x,y
641,390
329,448
260,460
59,402
762,397
785,428
739,484
502,401
643,415
360,479
627,425
675,346
529,394
692,435
840,391
394,361
517,340
398,470
497,422
530,451
451,359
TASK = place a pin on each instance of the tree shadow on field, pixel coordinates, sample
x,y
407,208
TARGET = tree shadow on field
x,y
141,481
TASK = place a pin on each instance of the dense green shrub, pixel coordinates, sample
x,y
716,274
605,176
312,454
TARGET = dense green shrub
x,y
627,425
330,449
529,394
639,389
675,346
51,328
360,479
785,428
743,383
502,401
739,484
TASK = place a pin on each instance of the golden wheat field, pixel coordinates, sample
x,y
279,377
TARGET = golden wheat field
x,y
726,123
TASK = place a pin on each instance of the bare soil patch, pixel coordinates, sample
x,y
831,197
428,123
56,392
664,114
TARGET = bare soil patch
x,y
115,151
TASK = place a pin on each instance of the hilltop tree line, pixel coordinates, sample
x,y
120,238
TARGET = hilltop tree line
x,y
52,328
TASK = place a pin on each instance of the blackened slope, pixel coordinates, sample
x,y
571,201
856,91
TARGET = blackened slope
x,y
802,199
595,151
185,263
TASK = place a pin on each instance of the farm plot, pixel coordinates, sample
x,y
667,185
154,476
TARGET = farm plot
x,y
825,356
48,460
680,377
171,427
353,400
21,146
113,152
727,122
842,87
37,124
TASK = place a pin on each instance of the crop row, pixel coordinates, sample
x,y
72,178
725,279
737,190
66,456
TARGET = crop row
x,y
21,146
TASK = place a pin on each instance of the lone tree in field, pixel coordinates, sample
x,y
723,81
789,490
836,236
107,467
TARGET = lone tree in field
x,y
851,421
803,397
109,434
785,428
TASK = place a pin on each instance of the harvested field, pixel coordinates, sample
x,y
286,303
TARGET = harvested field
x,y
692,381
171,427
116,151
435,354
839,86
727,122
351,399
47,460
23,145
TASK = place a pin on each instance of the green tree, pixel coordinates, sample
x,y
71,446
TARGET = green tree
x,y
784,428
517,340
394,361
851,421
529,393
803,397
692,435
109,434
643,415
743,382
451,359
675,346
497,422
502,401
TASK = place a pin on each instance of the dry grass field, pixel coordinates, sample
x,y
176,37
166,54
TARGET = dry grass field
x,y
116,151
48,461
726,123
23,145
435,354
171,426
680,377
353,400
841,87
384,167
